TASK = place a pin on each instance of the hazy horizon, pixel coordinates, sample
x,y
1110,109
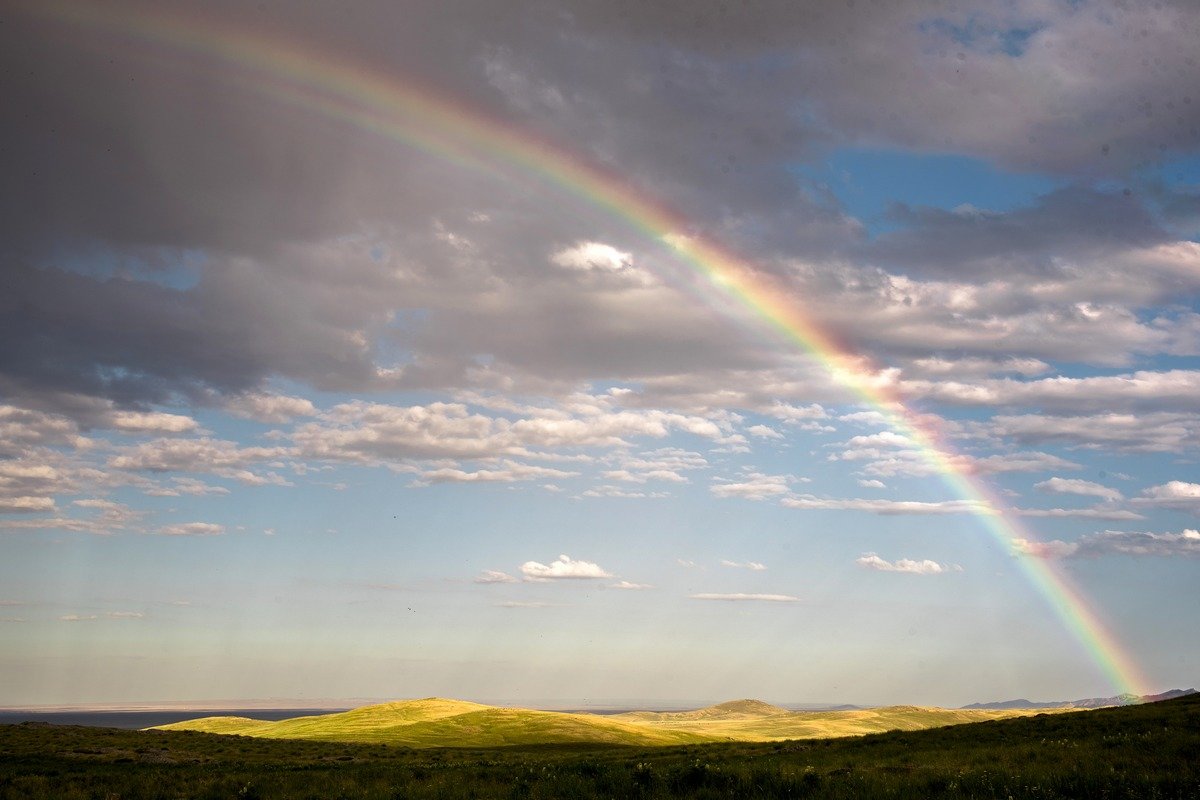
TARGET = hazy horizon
x,y
605,349
281,704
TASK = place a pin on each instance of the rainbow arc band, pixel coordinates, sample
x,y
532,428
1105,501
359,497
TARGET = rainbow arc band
x,y
400,109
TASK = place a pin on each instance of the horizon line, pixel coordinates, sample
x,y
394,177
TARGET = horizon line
x,y
537,704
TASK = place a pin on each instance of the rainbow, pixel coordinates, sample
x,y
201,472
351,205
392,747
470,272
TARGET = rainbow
x,y
402,110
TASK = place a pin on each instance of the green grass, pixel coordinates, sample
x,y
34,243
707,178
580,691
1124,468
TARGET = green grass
x,y
1150,751
754,721
436,722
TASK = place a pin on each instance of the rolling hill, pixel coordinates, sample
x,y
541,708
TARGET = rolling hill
x,y
755,721
1138,751
438,722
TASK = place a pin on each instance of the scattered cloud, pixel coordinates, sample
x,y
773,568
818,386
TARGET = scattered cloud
x,y
754,566
508,472
617,491
1091,512
151,422
495,576
1125,543
270,408
1178,495
24,505
763,432
206,455
754,486
564,568
629,585
1020,462
1152,432
1173,390
886,507
738,597
105,615
376,433
791,413
593,256
183,486
192,529
922,567
642,477
936,366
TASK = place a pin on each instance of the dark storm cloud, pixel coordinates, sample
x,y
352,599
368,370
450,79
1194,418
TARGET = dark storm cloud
x,y
129,140
381,310
1072,223
116,147
705,104
136,341
312,233
1077,88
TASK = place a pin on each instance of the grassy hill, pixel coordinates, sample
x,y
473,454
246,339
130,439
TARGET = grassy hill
x,y
731,710
1147,751
754,721
437,722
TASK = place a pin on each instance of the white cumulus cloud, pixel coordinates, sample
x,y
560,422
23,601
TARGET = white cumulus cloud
x,y
592,255
923,567
1179,495
754,486
563,568
754,566
1076,486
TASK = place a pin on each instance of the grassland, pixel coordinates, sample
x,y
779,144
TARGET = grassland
x,y
1149,751
755,721
436,722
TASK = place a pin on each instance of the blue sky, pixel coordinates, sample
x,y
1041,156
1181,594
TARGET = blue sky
x,y
293,410
868,182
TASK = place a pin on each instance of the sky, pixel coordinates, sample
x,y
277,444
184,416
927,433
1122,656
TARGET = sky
x,y
599,352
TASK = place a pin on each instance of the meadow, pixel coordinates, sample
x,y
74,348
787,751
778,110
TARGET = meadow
x,y
1147,751
438,722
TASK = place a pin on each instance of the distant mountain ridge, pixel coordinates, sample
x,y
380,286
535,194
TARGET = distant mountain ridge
x,y
1090,702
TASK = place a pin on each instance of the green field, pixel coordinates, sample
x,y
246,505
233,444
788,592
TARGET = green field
x,y
436,722
1147,751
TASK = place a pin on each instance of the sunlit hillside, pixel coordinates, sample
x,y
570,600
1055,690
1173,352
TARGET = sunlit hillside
x,y
436,722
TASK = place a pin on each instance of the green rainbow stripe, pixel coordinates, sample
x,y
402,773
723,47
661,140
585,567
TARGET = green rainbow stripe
x,y
402,110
